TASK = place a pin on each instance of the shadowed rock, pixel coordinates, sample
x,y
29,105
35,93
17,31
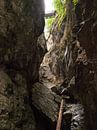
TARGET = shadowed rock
x,y
45,100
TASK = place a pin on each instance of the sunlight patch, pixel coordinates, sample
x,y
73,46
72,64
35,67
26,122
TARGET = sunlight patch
x,y
49,7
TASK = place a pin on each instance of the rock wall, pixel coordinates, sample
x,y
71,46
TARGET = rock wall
x,y
72,58
81,56
52,67
19,31
75,45
86,66
21,23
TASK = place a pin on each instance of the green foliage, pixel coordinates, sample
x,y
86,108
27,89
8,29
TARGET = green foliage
x,y
75,2
60,9
49,22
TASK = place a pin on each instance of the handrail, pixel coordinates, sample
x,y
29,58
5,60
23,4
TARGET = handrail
x,y
59,122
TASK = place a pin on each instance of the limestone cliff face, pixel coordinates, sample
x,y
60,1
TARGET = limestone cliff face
x,y
21,23
58,59
52,66
74,52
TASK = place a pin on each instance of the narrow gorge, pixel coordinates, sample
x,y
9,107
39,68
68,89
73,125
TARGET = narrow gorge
x,y
36,72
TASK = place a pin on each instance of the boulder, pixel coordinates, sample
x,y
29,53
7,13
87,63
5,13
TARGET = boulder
x,y
46,101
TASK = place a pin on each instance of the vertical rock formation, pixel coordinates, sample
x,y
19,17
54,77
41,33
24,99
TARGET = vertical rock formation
x,y
21,23
52,68
61,58
86,67
78,35
81,53
73,57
